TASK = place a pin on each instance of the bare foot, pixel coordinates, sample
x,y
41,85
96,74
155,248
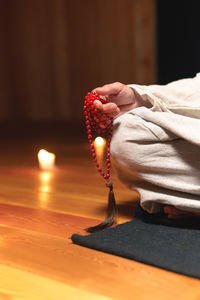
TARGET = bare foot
x,y
175,213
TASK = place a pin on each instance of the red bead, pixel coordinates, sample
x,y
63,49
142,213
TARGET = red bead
x,y
88,126
108,165
92,146
89,136
99,170
94,155
108,160
89,131
87,122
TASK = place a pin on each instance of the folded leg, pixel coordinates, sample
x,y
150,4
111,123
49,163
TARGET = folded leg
x,y
163,168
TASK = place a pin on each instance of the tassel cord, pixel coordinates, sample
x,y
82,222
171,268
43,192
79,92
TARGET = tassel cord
x,y
111,212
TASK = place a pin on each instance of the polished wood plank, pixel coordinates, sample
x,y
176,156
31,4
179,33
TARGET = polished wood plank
x,y
57,258
38,215
37,287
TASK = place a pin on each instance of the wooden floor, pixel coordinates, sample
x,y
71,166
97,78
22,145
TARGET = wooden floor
x,y
40,211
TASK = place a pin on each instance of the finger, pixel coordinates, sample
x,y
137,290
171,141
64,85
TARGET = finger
x,y
110,108
109,89
98,105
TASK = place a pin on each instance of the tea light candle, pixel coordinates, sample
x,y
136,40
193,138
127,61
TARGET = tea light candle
x,y
99,144
46,160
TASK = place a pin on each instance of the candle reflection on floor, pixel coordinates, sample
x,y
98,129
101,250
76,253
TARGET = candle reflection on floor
x,y
45,188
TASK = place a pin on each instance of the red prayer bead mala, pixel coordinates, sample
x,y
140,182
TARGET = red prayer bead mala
x,y
98,121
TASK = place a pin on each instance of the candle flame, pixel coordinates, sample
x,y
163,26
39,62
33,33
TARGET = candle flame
x,y
99,141
46,160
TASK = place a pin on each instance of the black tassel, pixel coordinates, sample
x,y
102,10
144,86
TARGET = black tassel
x,y
111,212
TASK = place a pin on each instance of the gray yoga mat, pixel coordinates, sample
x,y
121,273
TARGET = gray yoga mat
x,y
152,239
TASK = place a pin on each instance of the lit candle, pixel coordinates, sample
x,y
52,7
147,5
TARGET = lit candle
x,y
46,160
99,141
99,144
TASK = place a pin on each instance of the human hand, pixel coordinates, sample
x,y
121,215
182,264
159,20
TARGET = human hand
x,y
121,99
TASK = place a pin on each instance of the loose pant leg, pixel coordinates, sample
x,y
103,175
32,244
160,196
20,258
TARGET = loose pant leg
x,y
164,169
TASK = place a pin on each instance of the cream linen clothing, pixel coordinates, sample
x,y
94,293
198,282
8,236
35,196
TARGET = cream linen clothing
x,y
157,150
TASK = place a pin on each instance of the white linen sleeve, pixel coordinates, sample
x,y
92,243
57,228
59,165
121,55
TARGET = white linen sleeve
x,y
181,96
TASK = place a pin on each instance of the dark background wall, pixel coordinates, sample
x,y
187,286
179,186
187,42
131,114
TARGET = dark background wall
x,y
54,51
178,39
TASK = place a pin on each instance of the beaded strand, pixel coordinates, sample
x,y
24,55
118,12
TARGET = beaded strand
x,y
97,121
